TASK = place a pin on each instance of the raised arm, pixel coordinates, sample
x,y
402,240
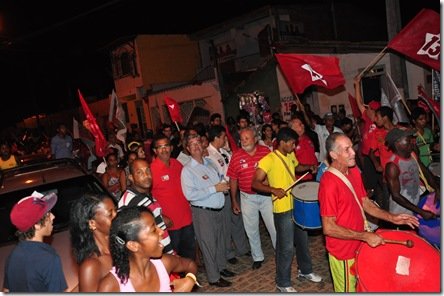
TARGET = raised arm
x,y
358,94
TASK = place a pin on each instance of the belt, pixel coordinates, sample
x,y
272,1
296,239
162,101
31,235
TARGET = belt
x,y
209,209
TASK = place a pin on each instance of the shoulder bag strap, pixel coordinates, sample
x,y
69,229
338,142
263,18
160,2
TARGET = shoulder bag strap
x,y
286,166
341,176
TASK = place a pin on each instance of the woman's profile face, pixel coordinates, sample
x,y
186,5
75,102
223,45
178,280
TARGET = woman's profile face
x,y
104,215
150,236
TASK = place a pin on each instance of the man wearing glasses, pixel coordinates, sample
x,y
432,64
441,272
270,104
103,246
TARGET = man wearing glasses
x,y
167,190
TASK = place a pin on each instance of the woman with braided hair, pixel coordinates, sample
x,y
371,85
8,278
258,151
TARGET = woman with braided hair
x,y
139,265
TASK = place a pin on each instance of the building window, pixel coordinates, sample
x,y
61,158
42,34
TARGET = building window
x,y
124,64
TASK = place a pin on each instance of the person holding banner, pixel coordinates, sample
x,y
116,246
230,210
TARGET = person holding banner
x,y
279,167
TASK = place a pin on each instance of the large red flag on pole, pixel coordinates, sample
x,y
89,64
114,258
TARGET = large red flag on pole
x,y
302,71
420,39
91,124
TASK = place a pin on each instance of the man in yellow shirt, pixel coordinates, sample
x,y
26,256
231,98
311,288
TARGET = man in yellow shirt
x,y
279,167
7,160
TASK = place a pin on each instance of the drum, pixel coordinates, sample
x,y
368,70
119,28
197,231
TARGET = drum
x,y
306,205
430,230
397,268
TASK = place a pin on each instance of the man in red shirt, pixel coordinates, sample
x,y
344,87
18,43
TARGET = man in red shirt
x,y
241,171
167,189
343,213
384,124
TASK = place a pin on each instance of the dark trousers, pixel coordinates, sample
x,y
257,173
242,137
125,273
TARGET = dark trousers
x,y
184,242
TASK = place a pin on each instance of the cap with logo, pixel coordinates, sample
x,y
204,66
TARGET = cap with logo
x,y
29,210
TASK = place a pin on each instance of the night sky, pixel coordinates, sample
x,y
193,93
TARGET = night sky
x,y
48,49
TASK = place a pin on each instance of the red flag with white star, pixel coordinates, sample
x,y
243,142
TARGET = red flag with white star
x,y
302,71
420,39
91,124
174,109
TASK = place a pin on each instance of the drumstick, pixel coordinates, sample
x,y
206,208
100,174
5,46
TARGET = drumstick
x,y
294,183
408,243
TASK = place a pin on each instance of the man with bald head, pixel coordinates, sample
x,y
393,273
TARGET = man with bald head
x,y
342,210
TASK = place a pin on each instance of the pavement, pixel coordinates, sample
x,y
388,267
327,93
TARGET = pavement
x,y
263,280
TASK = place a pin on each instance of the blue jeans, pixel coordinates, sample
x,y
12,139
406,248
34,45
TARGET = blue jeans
x,y
288,235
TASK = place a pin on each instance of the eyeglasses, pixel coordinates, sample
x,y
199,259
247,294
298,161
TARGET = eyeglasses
x,y
163,147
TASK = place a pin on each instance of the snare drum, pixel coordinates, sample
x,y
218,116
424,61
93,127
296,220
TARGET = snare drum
x,y
306,206
397,268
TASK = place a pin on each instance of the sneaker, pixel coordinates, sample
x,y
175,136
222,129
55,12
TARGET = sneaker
x,y
311,276
286,289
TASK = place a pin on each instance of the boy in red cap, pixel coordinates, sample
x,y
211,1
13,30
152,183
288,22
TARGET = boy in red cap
x,y
34,266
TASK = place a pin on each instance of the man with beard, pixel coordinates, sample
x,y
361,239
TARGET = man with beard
x,y
241,172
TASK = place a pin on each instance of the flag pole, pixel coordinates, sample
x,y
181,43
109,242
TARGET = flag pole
x,y
178,129
374,61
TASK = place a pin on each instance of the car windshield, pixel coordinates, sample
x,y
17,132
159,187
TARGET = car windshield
x,y
67,191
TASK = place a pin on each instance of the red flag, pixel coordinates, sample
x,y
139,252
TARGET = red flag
x,y
302,71
354,106
434,105
231,141
91,124
174,109
420,39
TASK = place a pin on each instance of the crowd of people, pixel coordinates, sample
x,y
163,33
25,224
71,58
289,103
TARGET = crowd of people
x,y
190,195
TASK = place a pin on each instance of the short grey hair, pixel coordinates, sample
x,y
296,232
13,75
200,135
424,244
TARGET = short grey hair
x,y
330,144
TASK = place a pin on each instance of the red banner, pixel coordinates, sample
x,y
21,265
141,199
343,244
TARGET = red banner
x,y
354,106
420,39
174,109
91,124
231,141
433,105
302,71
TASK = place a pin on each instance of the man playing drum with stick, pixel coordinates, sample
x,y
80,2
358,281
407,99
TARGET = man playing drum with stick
x,y
279,168
343,201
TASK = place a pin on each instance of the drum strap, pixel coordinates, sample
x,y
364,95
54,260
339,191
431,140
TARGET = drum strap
x,y
285,165
421,175
341,176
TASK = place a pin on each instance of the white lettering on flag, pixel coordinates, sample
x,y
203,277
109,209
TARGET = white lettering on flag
x,y
171,107
431,46
314,75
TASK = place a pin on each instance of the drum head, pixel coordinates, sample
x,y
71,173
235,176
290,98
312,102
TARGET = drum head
x,y
435,168
397,268
307,191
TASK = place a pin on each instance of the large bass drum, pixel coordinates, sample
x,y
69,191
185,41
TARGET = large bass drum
x,y
397,268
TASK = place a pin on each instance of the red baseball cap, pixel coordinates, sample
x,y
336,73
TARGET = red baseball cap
x,y
374,105
29,210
